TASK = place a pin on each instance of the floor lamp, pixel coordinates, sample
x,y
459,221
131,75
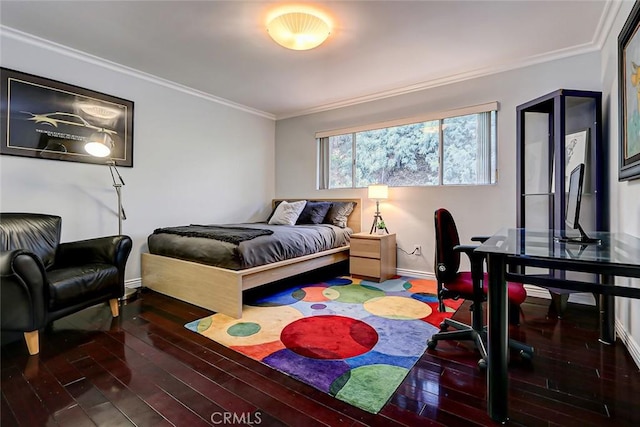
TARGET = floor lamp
x,y
117,184
378,192
100,144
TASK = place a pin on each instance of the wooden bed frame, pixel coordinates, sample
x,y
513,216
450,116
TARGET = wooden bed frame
x,y
220,289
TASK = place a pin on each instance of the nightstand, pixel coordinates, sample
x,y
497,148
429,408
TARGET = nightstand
x,y
373,256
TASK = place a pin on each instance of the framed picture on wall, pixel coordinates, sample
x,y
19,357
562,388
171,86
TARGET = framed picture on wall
x,y
48,119
576,147
576,151
629,96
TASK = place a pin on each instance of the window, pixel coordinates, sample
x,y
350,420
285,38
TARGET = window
x,y
452,148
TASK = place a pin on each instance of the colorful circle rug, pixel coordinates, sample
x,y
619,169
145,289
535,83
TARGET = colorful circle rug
x,y
355,340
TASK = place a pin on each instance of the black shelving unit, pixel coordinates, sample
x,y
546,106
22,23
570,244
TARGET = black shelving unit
x,y
549,129
546,127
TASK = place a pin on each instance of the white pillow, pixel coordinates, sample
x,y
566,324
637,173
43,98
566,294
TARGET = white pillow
x,y
287,213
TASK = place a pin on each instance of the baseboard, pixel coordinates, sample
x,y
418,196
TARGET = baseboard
x,y
577,297
133,283
415,273
534,291
629,342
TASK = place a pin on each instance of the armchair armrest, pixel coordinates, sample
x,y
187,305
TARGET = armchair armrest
x,y
24,290
113,250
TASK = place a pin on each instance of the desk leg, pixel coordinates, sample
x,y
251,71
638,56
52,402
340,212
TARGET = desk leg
x,y
497,339
607,306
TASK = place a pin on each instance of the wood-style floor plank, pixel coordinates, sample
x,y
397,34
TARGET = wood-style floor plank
x,y
127,402
24,403
144,368
136,380
7,419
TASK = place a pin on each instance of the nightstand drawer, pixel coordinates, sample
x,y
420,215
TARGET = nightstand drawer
x,y
373,256
366,248
364,267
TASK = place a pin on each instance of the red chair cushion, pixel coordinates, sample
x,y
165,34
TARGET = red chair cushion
x,y
463,285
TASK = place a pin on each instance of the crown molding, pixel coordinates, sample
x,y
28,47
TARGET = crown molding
x,y
104,63
607,20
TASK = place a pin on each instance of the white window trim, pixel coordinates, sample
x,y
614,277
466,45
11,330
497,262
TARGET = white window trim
x,y
482,108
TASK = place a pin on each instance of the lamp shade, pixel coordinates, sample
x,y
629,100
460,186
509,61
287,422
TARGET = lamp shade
x,y
378,192
298,30
99,144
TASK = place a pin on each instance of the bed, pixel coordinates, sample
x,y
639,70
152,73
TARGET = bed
x,y
220,289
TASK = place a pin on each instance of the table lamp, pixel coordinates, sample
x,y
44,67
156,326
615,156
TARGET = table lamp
x,y
378,192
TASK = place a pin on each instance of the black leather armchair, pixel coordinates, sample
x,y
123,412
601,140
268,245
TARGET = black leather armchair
x,y
42,280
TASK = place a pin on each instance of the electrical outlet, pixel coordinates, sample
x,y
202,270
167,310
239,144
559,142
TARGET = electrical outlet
x,y
417,250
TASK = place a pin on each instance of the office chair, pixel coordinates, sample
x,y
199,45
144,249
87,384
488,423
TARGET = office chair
x,y
470,285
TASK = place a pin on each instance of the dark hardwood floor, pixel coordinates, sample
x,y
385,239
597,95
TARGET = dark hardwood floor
x,y
144,368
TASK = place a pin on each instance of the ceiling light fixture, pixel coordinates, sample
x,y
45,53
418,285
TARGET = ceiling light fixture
x,y
298,30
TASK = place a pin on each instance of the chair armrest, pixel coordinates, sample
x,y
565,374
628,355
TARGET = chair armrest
x,y
477,268
113,250
470,251
480,239
467,249
476,258
24,290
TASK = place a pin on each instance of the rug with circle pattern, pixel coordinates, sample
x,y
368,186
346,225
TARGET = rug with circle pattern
x,y
353,339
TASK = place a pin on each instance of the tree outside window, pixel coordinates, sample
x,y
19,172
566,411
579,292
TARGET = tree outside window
x,y
457,150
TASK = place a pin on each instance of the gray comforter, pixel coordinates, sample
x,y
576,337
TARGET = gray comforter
x,y
287,241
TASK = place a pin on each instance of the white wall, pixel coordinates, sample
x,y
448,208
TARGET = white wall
x,y
624,196
409,211
195,160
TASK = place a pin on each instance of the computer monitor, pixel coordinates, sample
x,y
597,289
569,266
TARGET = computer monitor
x,y
574,199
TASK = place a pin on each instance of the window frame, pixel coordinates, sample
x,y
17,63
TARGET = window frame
x,y
322,141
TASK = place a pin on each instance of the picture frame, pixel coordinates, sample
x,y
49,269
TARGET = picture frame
x,y
576,147
629,96
49,119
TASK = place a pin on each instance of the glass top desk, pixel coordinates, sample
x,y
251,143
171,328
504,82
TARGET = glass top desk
x,y
509,250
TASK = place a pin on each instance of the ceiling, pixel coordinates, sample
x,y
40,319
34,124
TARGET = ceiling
x,y
376,48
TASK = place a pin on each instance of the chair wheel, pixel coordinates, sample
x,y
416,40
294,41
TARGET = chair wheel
x,y
482,364
431,344
444,327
